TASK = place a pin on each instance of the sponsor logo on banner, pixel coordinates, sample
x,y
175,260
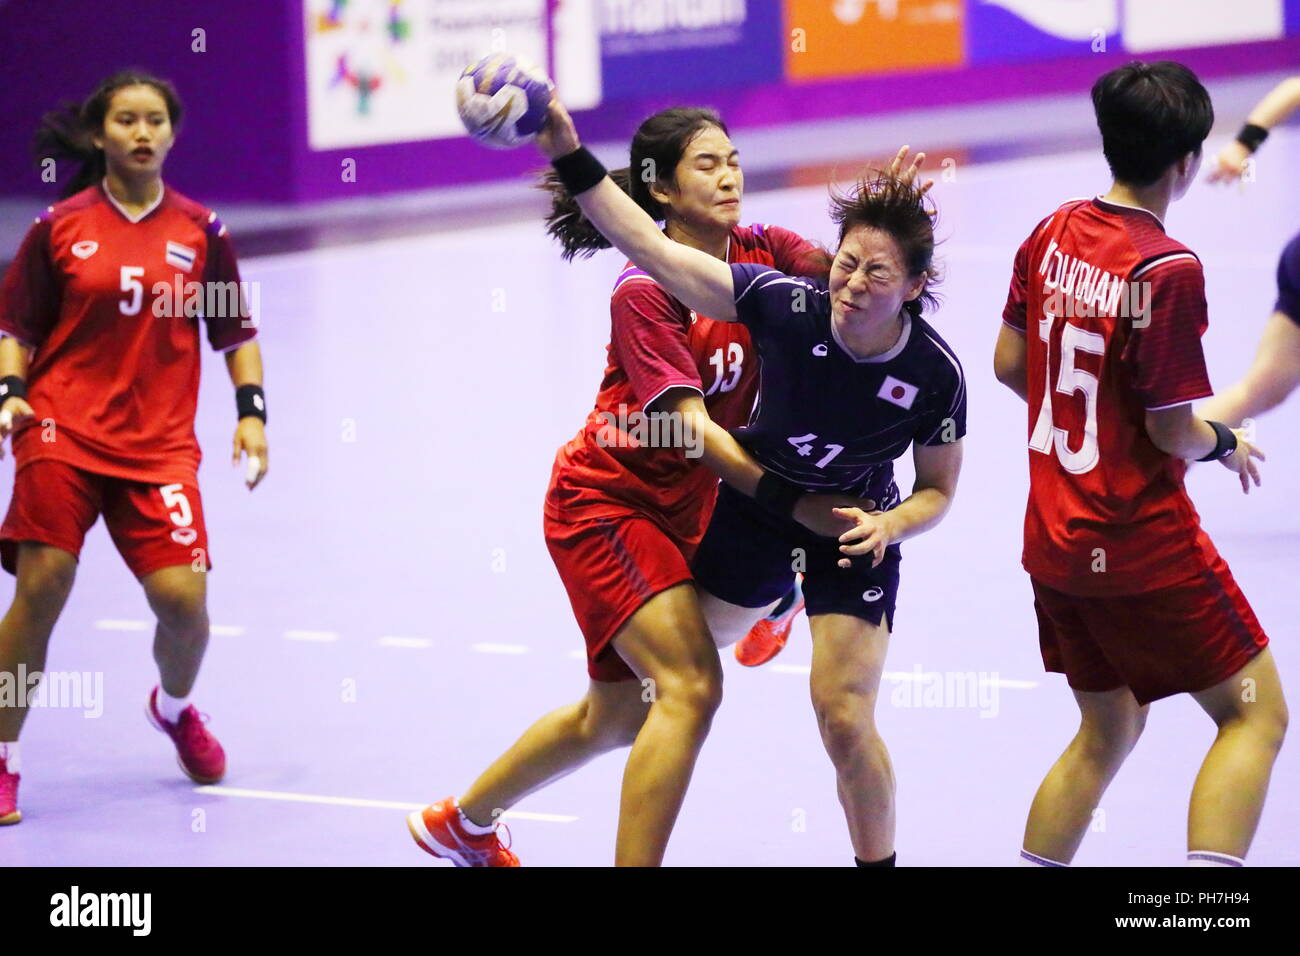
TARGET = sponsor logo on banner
x,y
679,45
860,37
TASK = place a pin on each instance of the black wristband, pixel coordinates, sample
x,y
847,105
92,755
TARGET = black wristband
x,y
250,400
12,386
777,495
578,170
1225,442
1252,136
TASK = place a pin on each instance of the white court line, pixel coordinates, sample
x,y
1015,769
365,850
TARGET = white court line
x,y
114,624
912,675
391,641
360,802
227,630
318,636
500,648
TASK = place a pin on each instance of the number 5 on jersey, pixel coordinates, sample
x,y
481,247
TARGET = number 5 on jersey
x,y
1070,380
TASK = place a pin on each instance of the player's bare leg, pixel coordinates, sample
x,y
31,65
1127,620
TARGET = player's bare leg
x,y
667,642
608,717
178,597
1110,725
848,658
44,580
729,622
1229,792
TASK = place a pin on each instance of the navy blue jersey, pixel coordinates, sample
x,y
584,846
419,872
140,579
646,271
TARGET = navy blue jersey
x,y
825,420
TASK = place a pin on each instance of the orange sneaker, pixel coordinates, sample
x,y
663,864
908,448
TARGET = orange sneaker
x,y
438,830
767,638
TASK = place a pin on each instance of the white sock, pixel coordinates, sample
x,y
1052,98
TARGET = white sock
x,y
470,826
170,707
1032,859
1211,858
11,756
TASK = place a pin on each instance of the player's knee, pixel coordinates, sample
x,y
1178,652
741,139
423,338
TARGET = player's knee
x,y
44,582
179,606
608,727
846,721
697,689
1110,743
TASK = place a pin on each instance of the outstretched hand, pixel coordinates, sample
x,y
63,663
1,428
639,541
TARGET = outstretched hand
x,y
1241,461
908,176
559,136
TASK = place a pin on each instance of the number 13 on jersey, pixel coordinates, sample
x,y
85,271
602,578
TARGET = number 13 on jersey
x,y
1070,380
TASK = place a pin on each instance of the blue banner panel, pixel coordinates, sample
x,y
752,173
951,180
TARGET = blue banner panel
x,y
1002,31
670,46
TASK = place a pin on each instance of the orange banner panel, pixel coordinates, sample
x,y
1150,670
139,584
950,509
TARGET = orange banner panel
x,y
839,38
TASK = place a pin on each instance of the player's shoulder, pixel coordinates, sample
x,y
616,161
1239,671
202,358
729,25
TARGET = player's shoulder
x,y
931,347
1059,214
761,236
78,202
199,214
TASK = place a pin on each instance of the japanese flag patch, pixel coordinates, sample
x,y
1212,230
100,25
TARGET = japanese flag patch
x,y
897,392
182,257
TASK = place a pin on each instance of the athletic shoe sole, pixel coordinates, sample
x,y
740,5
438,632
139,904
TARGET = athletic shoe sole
x,y
429,843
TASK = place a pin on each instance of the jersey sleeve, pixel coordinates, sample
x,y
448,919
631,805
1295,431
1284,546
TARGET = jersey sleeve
x,y
32,290
944,421
1014,312
765,296
793,254
1288,281
649,339
1164,352
237,324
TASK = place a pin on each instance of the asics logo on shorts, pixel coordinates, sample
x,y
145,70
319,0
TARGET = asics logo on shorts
x,y
872,594
184,535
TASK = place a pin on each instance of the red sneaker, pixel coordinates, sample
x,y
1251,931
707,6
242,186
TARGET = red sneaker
x,y
767,638
437,829
9,812
197,751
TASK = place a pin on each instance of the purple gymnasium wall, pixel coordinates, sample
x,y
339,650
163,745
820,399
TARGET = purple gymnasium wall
x,y
245,133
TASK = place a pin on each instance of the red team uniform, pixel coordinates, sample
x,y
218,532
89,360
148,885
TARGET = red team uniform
x,y
622,520
114,386
1128,589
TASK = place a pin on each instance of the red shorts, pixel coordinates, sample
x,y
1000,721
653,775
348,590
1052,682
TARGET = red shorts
x,y
1171,641
153,526
610,567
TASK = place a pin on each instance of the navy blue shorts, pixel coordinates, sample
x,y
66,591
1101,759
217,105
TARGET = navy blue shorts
x,y
749,557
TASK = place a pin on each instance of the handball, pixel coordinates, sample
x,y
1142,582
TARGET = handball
x,y
502,100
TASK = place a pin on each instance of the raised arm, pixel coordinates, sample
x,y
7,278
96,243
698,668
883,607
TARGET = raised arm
x,y
1281,102
695,278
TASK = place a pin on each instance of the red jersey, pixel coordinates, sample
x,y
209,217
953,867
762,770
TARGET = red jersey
x,y
110,303
1113,311
656,343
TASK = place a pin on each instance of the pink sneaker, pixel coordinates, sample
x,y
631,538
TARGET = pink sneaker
x,y
9,812
438,831
197,751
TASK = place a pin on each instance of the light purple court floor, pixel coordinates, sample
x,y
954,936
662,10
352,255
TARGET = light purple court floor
x,y
387,619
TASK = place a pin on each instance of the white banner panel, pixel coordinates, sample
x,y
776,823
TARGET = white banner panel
x,y
384,71
1166,24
